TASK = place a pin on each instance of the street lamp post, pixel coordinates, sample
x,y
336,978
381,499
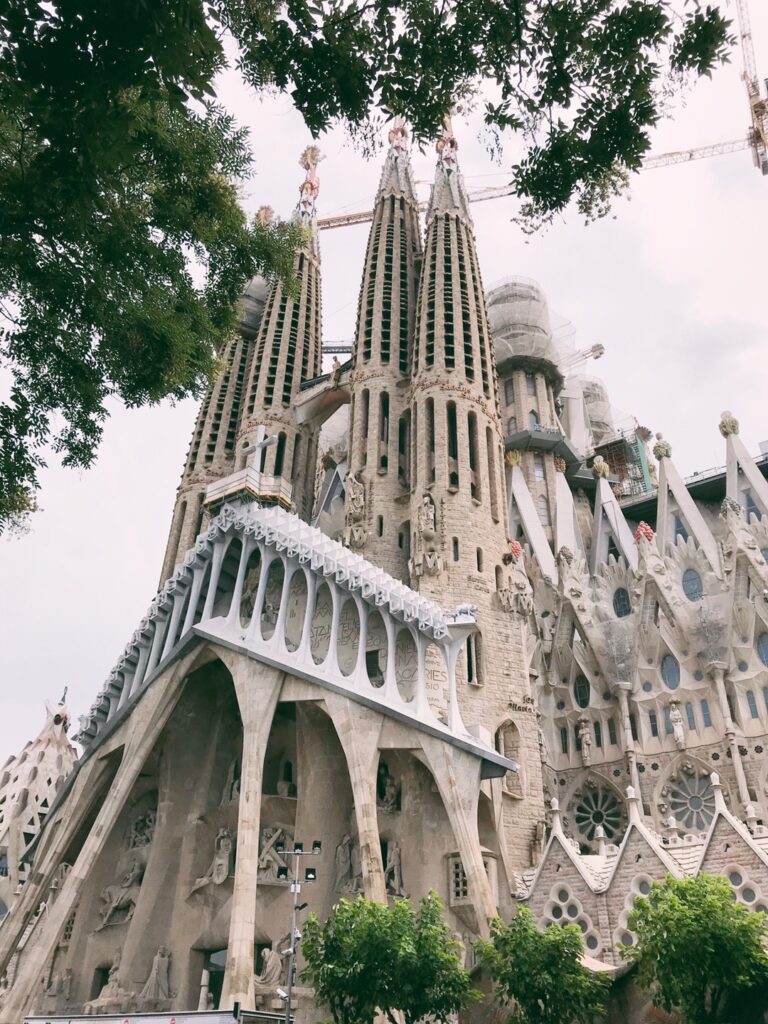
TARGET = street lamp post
x,y
310,875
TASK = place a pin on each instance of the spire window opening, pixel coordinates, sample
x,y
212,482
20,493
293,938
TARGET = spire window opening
x,y
598,734
455,548
752,704
414,447
386,291
530,385
429,353
533,420
542,507
404,296
653,724
482,325
474,476
365,403
633,725
373,258
706,715
511,426
453,447
474,660
296,457
280,453
380,525
383,431
492,478
612,736
403,430
430,413
564,739
479,559
538,468
509,391
449,346
690,714
466,319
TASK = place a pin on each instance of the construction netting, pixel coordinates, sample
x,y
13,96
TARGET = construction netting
x,y
520,323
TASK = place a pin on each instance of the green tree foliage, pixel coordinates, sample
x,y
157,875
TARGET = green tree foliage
x,y
539,975
368,958
698,951
117,169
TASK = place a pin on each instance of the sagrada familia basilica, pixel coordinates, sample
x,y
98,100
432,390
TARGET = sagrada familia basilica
x,y
475,639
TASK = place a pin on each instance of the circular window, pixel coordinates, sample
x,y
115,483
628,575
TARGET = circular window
x,y
698,675
598,807
692,587
644,888
557,913
563,895
583,925
581,691
572,910
743,666
748,895
628,939
670,671
762,648
647,687
760,908
693,802
735,878
621,604
591,942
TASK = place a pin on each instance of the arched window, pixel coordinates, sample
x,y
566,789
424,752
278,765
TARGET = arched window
x,y
512,429
280,454
762,648
533,420
530,384
509,391
692,587
621,603
581,691
752,703
670,671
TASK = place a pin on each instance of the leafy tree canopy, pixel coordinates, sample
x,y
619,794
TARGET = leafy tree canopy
x,y
368,958
117,168
698,951
539,974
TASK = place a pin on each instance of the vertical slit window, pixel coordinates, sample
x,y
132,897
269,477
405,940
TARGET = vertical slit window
x,y
402,448
364,418
653,723
492,478
296,457
598,734
752,704
690,715
564,739
453,445
449,348
612,737
706,717
474,476
383,430
430,407
280,454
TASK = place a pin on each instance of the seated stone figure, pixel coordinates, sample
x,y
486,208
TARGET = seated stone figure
x,y
112,998
266,983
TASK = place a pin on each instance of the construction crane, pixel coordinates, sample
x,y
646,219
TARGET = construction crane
x,y
758,106
480,195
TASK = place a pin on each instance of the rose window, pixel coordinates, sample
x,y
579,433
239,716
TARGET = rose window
x,y
693,802
598,807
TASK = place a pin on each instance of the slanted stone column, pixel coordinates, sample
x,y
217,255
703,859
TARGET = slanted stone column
x,y
358,729
145,726
457,775
257,688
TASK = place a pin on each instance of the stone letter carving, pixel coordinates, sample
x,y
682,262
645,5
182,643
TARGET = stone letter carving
x,y
223,860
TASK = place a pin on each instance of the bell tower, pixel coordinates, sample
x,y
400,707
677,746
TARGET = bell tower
x,y
379,482
288,351
460,551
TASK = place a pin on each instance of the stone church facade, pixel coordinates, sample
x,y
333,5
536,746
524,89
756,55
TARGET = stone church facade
x,y
455,648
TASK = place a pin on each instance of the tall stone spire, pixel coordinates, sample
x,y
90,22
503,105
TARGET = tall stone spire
x,y
460,552
211,454
288,351
377,500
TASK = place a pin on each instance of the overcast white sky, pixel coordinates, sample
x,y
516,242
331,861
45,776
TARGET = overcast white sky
x,y
674,286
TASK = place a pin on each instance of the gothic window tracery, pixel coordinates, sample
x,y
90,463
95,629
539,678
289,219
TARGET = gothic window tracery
x,y
598,806
581,691
692,801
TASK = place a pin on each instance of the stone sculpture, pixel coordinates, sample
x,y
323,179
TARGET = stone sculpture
x,y
269,857
356,496
600,468
677,724
112,998
223,860
728,424
427,518
157,989
393,871
121,895
343,864
266,983
586,742
142,830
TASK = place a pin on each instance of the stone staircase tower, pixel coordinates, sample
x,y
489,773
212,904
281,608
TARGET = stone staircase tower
x,y
379,484
460,552
288,351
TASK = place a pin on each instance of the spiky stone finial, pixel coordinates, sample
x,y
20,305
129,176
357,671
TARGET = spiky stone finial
x,y
728,424
644,532
662,449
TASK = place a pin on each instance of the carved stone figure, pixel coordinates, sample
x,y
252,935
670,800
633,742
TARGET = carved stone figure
x,y
122,895
113,998
232,781
728,424
560,464
250,589
343,864
389,801
393,871
514,458
427,518
269,858
223,860
142,830
266,983
356,496
356,870
677,724
600,468
586,742
157,988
